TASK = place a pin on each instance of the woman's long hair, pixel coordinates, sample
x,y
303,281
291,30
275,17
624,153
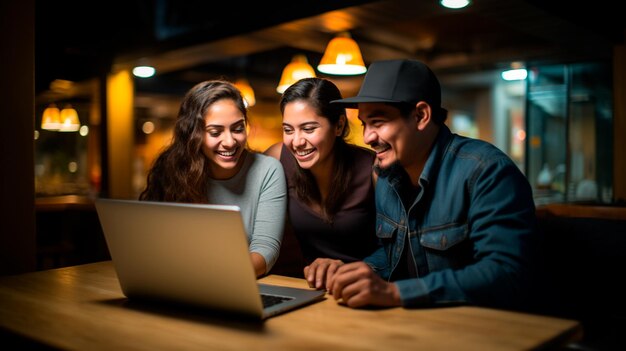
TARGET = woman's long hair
x,y
318,93
181,172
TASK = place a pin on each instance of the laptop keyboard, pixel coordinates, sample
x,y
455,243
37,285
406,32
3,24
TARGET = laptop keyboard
x,y
271,300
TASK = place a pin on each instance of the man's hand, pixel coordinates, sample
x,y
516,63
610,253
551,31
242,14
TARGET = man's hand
x,y
319,273
357,285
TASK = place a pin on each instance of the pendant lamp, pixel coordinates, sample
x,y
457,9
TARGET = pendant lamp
x,y
246,91
51,119
342,57
69,119
297,69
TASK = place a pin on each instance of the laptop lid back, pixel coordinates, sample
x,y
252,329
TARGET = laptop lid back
x,y
189,253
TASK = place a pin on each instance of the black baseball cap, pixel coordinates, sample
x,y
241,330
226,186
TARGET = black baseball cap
x,y
398,81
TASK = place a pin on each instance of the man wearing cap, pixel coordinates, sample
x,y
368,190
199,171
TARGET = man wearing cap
x,y
455,216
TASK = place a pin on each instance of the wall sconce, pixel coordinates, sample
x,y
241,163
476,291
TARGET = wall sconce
x,y
246,91
342,57
65,120
297,69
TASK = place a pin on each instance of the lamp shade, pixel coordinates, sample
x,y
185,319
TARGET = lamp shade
x,y
69,120
342,57
297,69
246,91
51,118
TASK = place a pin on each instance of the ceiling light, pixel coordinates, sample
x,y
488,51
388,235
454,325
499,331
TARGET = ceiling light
x,y
455,4
51,119
515,74
144,71
297,69
246,91
69,120
65,120
342,57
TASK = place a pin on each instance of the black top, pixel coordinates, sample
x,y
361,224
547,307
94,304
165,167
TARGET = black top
x,y
351,235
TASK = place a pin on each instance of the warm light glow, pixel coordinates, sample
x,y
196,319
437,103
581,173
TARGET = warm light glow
x,y
342,57
120,132
515,74
297,69
84,130
72,167
69,120
143,71
455,4
246,91
51,119
147,127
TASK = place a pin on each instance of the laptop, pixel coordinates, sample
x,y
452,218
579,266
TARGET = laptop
x,y
192,254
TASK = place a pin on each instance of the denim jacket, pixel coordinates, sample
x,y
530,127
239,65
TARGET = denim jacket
x,y
471,228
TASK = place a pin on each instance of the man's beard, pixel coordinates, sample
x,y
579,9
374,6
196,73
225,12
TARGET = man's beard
x,y
383,171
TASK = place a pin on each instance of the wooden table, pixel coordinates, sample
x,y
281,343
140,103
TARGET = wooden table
x,y
83,308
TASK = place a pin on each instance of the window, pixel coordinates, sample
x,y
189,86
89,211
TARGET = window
x,y
570,143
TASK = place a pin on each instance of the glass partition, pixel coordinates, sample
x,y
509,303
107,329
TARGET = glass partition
x,y
569,116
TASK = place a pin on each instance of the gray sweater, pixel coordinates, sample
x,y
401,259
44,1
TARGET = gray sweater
x,y
260,190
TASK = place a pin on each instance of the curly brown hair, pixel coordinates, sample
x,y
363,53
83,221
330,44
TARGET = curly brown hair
x,y
181,172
